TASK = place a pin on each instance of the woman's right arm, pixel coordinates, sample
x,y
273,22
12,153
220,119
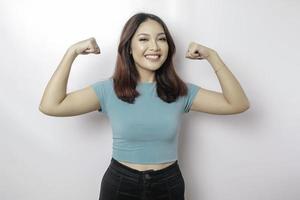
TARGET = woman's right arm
x,y
55,100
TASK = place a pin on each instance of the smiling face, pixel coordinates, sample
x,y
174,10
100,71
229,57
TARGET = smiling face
x,y
149,48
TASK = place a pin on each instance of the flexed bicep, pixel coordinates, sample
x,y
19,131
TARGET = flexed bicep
x,y
213,102
76,103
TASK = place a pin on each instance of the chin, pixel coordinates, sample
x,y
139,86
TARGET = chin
x,y
153,68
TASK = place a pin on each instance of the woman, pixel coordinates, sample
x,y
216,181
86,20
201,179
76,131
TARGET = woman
x,y
144,100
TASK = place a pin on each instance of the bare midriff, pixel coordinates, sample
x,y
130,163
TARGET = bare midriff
x,y
144,167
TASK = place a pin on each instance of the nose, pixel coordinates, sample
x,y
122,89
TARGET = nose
x,y
154,46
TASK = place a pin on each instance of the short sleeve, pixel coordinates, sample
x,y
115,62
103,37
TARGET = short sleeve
x,y
188,99
99,88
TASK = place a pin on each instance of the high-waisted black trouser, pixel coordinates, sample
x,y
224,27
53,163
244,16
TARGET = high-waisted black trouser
x,y
121,182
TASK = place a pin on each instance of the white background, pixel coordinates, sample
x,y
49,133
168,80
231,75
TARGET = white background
x,y
249,156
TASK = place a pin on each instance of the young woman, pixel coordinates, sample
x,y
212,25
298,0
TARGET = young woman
x,y
144,100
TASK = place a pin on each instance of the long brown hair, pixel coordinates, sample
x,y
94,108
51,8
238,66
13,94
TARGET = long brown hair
x,y
126,76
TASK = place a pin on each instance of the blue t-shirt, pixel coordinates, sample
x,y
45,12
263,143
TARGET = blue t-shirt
x,y
146,131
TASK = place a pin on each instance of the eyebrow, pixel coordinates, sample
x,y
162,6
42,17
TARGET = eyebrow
x,y
148,34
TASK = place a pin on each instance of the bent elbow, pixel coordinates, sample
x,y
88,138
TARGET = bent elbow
x,y
243,108
247,106
45,110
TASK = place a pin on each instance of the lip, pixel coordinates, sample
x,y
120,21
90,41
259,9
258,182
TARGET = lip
x,y
153,54
153,59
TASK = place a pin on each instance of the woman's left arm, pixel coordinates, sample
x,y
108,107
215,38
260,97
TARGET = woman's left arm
x,y
232,90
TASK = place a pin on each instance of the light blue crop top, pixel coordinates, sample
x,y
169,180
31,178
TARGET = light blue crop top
x,y
146,131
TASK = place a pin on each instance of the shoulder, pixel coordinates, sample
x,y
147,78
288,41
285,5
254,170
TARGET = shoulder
x,y
192,88
190,84
106,82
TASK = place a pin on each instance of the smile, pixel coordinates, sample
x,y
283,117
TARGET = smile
x,y
152,57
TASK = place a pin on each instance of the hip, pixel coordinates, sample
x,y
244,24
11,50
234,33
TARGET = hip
x,y
121,181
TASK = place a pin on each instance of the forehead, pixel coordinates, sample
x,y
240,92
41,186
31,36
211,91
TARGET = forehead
x,y
149,27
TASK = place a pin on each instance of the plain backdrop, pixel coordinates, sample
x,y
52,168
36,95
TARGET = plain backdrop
x,y
249,156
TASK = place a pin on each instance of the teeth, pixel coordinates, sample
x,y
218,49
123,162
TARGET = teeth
x,y
152,56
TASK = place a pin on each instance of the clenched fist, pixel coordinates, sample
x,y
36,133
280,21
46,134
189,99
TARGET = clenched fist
x,y
86,47
197,51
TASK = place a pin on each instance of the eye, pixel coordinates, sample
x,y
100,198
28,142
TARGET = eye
x,y
142,39
163,39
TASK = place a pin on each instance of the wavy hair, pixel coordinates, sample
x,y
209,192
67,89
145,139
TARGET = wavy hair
x,y
125,78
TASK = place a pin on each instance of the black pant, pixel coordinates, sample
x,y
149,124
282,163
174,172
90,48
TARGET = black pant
x,y
121,182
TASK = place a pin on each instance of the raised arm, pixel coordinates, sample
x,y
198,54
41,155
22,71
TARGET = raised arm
x,y
55,100
233,100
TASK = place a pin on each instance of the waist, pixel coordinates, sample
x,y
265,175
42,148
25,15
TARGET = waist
x,y
154,153
120,168
146,167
